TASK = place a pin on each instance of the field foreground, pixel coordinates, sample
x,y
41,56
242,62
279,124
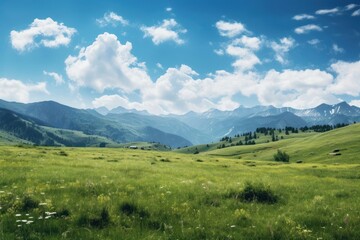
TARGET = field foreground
x,y
93,193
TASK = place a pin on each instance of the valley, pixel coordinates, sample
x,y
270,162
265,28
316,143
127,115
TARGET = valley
x,y
237,192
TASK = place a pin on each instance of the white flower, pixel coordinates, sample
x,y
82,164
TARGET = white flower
x,y
18,215
29,222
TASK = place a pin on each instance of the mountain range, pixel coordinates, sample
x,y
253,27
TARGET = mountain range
x,y
51,123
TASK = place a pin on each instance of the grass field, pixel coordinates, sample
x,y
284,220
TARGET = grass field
x,y
104,193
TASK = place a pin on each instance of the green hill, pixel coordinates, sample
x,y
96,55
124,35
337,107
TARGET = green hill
x,y
315,147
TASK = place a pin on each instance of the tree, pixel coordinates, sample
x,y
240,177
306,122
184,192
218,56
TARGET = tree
x,y
281,156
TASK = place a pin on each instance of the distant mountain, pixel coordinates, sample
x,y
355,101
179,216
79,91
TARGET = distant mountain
x,y
53,114
223,123
165,124
23,129
123,125
120,110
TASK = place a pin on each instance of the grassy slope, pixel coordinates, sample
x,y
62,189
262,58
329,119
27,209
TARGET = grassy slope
x,y
176,196
261,139
313,148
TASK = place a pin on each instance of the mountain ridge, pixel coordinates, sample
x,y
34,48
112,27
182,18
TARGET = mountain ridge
x,y
123,125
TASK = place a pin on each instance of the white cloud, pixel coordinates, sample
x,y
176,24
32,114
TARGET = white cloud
x,y
248,42
168,9
57,77
159,66
282,48
219,52
337,49
356,13
113,101
107,64
177,91
347,79
230,29
243,49
351,6
327,11
245,58
303,17
15,90
42,32
314,41
111,18
299,89
355,103
168,30
307,28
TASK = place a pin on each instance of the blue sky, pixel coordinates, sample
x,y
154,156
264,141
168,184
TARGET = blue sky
x,y
179,56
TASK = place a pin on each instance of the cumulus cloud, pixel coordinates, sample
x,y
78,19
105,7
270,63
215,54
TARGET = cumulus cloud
x,y
107,64
113,101
230,29
337,49
243,49
303,17
57,77
15,90
42,32
307,28
178,91
168,30
355,103
168,9
300,89
111,18
282,48
347,78
327,11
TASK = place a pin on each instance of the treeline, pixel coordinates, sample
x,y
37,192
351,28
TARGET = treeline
x,y
249,137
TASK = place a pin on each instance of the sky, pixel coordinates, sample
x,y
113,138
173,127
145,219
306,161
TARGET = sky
x,y
176,56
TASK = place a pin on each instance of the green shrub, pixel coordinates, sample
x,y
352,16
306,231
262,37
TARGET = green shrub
x,y
96,222
255,193
281,156
29,203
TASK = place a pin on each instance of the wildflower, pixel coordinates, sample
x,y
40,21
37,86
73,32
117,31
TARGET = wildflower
x,y
19,225
31,217
18,220
24,221
42,204
29,222
47,217
40,217
18,215
232,226
27,214
42,193
2,192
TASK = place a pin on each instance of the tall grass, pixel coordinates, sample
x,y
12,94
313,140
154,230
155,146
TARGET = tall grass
x,y
93,193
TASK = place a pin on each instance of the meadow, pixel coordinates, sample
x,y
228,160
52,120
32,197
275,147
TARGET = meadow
x,y
231,193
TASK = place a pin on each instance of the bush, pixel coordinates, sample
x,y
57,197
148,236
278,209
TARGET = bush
x,y
130,209
29,203
96,221
281,156
255,193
